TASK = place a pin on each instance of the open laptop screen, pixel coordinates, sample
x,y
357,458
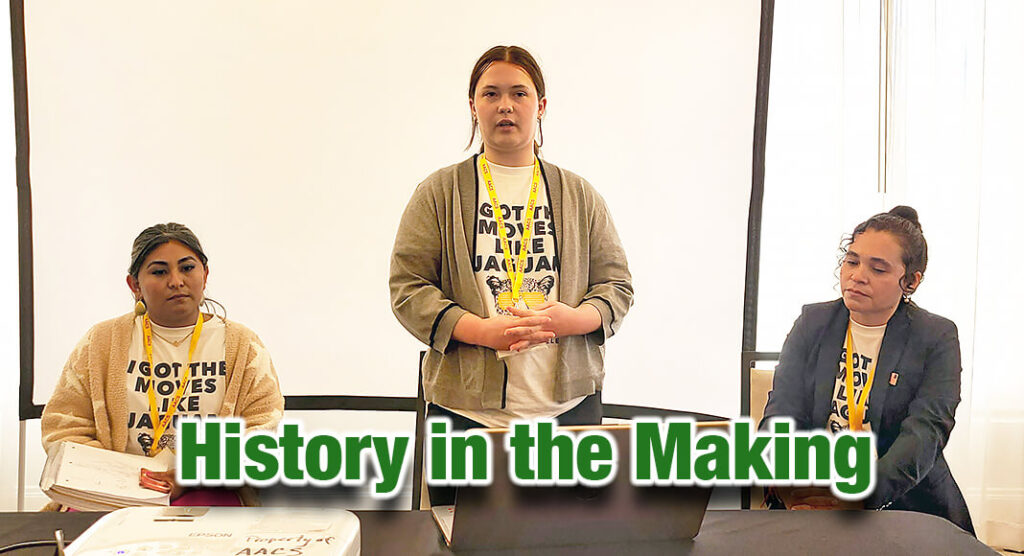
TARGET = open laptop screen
x,y
505,515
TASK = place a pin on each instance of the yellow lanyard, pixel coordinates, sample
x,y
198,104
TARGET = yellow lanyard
x,y
858,407
515,271
147,336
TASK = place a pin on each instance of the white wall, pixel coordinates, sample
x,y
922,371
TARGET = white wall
x,y
289,136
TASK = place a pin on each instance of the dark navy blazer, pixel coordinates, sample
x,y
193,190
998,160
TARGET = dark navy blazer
x,y
911,420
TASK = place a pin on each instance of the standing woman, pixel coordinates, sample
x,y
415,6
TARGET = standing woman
x,y
130,377
905,382
513,333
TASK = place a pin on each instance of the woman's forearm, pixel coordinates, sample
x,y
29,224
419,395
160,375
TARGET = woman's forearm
x,y
467,329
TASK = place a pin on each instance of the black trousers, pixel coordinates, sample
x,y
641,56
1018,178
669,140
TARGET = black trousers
x,y
587,412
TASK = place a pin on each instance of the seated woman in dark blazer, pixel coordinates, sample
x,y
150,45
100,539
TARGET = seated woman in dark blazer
x,y
906,358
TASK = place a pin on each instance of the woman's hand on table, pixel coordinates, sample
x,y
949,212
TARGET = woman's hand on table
x,y
814,498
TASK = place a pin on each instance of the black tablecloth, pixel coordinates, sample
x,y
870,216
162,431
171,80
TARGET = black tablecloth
x,y
723,532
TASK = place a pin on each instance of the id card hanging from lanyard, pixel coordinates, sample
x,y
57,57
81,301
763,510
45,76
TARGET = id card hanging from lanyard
x,y
154,413
514,269
856,408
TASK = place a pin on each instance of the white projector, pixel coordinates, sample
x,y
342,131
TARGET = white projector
x,y
182,531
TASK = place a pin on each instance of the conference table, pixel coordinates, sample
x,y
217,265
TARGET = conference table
x,y
747,532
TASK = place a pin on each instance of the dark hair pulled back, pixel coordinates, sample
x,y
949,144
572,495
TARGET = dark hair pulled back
x,y
159,234
902,222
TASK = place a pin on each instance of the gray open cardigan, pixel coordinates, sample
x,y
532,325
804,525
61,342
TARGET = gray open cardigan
x,y
433,284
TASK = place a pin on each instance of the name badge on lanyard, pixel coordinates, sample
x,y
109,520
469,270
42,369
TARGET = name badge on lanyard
x,y
857,407
160,425
514,269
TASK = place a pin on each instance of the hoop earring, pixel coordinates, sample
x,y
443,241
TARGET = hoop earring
x,y
540,131
211,306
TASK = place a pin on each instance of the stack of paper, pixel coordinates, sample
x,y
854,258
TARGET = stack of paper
x,y
93,479
444,516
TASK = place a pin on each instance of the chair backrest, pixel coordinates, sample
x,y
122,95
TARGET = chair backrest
x,y
626,412
760,385
755,384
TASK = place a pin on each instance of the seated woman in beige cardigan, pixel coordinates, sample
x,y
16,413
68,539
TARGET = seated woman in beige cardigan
x,y
130,377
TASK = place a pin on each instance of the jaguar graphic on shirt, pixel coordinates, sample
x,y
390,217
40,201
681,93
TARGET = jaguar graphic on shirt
x,y
499,286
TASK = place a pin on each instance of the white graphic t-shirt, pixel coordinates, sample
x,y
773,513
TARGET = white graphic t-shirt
x,y
867,340
529,392
203,396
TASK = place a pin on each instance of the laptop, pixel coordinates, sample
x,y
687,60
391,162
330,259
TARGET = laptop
x,y
507,516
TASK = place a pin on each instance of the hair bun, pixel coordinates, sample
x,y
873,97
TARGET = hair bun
x,y
903,211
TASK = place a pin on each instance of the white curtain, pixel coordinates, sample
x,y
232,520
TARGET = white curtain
x,y
953,140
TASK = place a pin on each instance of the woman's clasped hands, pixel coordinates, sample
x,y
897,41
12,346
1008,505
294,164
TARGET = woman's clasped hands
x,y
562,320
526,328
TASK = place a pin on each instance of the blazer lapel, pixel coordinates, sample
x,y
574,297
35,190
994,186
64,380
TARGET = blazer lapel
x,y
897,332
827,365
